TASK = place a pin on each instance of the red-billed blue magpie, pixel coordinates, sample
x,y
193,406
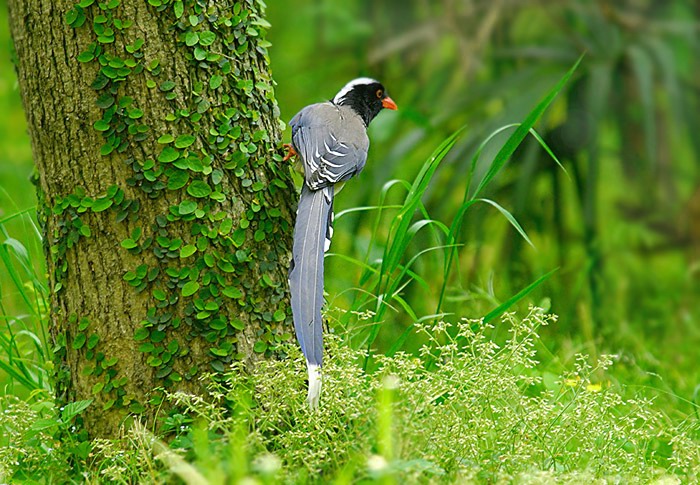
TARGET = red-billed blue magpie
x,y
331,140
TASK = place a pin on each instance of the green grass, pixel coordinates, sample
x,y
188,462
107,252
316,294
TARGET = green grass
x,y
487,412
24,353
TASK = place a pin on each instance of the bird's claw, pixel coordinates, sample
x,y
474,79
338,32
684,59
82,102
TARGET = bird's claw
x,y
290,151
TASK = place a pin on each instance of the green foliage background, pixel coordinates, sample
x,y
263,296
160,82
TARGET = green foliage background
x,y
621,224
622,227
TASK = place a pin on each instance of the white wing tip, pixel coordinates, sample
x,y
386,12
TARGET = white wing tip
x,y
314,385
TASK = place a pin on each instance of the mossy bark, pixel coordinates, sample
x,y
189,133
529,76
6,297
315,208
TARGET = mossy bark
x,y
166,211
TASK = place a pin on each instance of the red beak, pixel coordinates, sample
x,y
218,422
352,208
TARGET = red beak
x,y
388,103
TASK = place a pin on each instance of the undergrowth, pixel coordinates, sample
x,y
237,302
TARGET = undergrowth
x,y
466,409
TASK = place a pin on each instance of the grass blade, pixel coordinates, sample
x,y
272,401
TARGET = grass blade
x,y
510,218
503,307
521,131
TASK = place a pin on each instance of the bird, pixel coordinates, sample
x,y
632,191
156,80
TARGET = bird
x,y
330,140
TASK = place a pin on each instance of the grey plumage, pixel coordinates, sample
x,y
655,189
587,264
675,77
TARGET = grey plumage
x,y
331,140
306,274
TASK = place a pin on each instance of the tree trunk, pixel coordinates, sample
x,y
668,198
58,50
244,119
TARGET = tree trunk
x,y
166,210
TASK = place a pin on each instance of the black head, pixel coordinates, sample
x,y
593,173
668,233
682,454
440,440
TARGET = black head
x,y
365,96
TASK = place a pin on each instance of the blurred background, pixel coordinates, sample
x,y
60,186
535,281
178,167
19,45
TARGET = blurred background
x,y
621,224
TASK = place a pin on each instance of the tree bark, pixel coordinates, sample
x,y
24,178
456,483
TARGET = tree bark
x,y
167,213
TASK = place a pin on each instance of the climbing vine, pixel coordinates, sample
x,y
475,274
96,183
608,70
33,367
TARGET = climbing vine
x,y
211,165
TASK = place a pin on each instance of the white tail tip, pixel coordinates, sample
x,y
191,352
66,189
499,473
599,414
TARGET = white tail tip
x,y
314,385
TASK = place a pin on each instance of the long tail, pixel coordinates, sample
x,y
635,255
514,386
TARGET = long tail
x,y
312,234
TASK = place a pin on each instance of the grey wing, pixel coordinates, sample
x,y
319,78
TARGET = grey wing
x,y
332,143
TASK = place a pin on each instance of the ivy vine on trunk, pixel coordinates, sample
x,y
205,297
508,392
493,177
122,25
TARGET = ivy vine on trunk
x,y
166,209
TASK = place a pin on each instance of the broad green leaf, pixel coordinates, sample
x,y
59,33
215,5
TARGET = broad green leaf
x,y
191,38
183,141
207,37
71,410
178,8
232,292
178,179
199,189
101,204
168,154
215,81
190,288
188,250
187,207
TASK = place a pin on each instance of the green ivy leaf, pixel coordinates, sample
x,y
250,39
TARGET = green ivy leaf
x,y
101,125
168,155
136,408
260,346
173,346
190,288
217,176
92,341
188,250
183,141
207,37
191,38
106,149
178,179
232,292
215,81
199,189
128,243
269,282
79,341
141,334
225,227
178,8
100,82
105,101
165,139
75,17
157,336
187,207
167,86
101,204
86,56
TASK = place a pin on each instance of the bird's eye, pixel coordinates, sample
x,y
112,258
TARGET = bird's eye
x,y
380,93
